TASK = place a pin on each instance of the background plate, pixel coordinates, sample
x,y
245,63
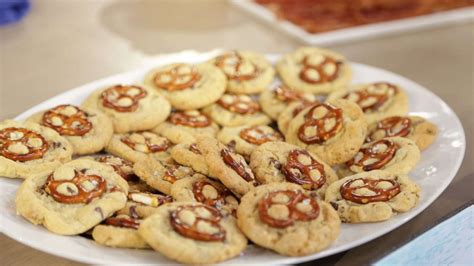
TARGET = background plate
x,y
378,29
437,168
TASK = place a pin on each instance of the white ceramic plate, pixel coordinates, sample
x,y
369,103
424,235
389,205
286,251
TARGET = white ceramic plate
x,y
459,15
438,166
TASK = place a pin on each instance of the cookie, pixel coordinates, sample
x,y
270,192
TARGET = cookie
x,y
372,196
120,230
184,126
283,217
246,72
282,162
245,139
87,131
130,107
274,101
160,175
206,191
396,155
314,70
186,86
227,166
188,154
332,131
73,198
191,232
137,146
237,110
377,100
293,109
415,128
28,148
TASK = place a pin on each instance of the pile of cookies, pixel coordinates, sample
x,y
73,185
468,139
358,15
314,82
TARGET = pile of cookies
x,y
199,159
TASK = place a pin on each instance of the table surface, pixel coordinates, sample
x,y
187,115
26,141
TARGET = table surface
x,y
63,44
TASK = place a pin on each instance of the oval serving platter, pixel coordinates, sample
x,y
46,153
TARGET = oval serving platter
x,y
437,168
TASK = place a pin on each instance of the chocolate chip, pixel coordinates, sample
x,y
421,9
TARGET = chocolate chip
x,y
133,212
231,145
56,145
99,210
334,205
275,163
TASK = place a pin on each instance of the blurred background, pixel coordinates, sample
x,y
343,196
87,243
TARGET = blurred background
x,y
50,46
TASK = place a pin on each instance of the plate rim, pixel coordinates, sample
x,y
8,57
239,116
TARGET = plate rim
x,y
166,58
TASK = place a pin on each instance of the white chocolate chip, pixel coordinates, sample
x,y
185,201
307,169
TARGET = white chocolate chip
x,y
15,135
56,121
304,159
315,59
141,148
165,78
329,68
279,211
67,189
329,124
35,142
304,206
68,110
64,173
312,74
125,102
144,199
370,161
192,113
310,131
320,112
133,91
245,98
368,102
187,217
184,69
357,183
246,68
364,192
315,175
88,185
18,148
209,192
280,198
384,185
228,99
205,227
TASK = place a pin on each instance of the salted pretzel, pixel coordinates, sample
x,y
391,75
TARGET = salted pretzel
x,y
395,126
325,119
124,221
241,104
349,191
303,169
21,144
235,67
119,166
297,205
371,98
190,118
218,201
82,188
319,69
67,120
374,155
285,94
151,147
179,77
237,164
123,98
187,224
256,135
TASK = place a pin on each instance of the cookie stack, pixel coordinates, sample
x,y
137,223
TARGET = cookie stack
x,y
200,158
